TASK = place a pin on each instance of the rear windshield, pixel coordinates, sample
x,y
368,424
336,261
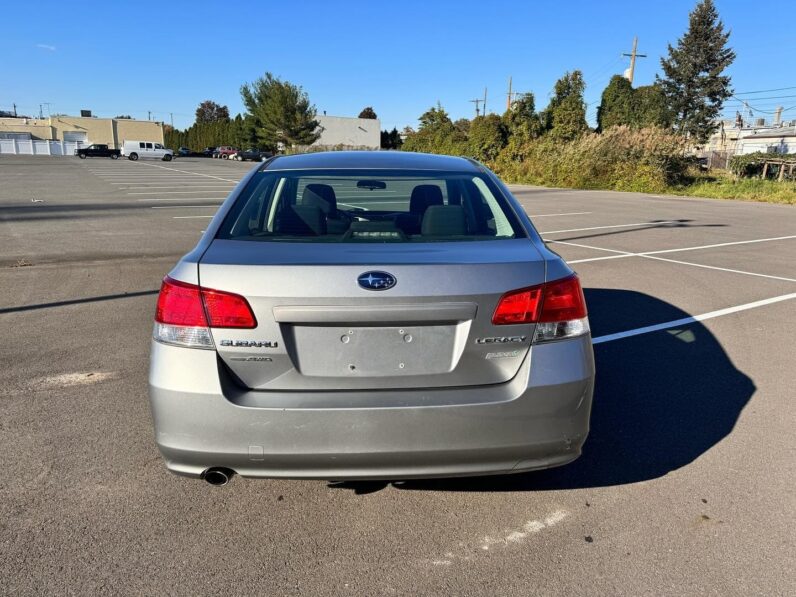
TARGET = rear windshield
x,y
370,206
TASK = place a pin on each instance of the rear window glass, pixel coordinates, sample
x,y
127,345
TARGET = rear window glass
x,y
370,206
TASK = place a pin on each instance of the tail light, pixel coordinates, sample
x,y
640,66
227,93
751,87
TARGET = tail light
x,y
558,309
186,312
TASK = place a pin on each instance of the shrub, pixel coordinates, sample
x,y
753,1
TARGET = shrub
x,y
643,160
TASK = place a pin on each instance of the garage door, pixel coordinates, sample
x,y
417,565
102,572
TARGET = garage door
x,y
76,136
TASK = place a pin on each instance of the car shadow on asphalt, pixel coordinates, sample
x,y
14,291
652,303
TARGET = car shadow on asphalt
x,y
661,401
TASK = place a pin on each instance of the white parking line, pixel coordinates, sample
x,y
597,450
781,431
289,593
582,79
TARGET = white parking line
x,y
189,217
738,242
182,186
603,227
651,255
189,172
621,254
174,192
181,199
571,213
693,319
185,206
721,269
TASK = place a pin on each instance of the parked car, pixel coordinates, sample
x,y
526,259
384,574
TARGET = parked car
x,y
252,154
208,152
97,150
185,152
134,150
225,151
419,329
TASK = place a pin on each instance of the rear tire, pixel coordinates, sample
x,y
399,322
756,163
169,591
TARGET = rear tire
x,y
225,157
167,158
133,157
114,156
82,156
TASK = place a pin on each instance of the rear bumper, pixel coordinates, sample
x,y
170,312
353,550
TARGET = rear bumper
x,y
540,419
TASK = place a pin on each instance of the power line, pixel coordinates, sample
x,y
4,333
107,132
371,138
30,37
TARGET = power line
x,y
763,91
747,105
768,97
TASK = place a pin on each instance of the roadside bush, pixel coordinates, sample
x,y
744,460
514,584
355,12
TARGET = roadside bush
x,y
642,160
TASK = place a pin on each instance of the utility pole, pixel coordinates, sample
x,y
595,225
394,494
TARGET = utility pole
x,y
633,55
484,101
171,116
508,97
15,110
149,114
41,116
477,101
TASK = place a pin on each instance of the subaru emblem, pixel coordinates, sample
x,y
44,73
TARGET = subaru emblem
x,y
376,281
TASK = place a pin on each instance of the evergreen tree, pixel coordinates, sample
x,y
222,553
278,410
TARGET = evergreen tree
x,y
391,139
283,112
522,121
637,108
692,82
650,107
617,105
487,137
368,113
395,139
565,116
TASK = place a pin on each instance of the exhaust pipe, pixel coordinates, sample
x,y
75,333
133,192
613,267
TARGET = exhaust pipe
x,y
218,476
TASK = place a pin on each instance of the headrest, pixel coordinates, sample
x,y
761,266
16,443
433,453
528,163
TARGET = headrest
x,y
303,220
320,195
423,197
444,220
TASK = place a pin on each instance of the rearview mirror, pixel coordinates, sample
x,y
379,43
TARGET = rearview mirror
x,y
371,184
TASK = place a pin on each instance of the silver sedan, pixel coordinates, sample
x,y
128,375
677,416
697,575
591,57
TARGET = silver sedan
x,y
370,315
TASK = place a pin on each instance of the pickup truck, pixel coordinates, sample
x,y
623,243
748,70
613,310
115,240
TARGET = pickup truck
x,y
97,151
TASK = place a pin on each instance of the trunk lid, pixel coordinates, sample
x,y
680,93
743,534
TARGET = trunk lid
x,y
318,329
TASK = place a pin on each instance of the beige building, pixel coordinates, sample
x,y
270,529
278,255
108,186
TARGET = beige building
x,y
109,131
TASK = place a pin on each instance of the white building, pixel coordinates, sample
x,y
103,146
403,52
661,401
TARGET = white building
x,y
340,132
774,140
733,140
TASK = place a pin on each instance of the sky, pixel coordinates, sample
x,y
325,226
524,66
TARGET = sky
x,y
400,57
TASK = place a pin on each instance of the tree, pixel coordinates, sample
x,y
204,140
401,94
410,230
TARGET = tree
x,y
368,113
565,116
621,104
120,117
391,139
436,134
692,82
462,125
395,139
487,137
650,107
617,104
210,111
521,120
282,110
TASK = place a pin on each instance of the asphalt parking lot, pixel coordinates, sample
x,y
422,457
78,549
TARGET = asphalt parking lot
x,y
685,486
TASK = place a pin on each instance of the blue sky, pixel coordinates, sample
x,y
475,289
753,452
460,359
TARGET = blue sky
x,y
399,57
